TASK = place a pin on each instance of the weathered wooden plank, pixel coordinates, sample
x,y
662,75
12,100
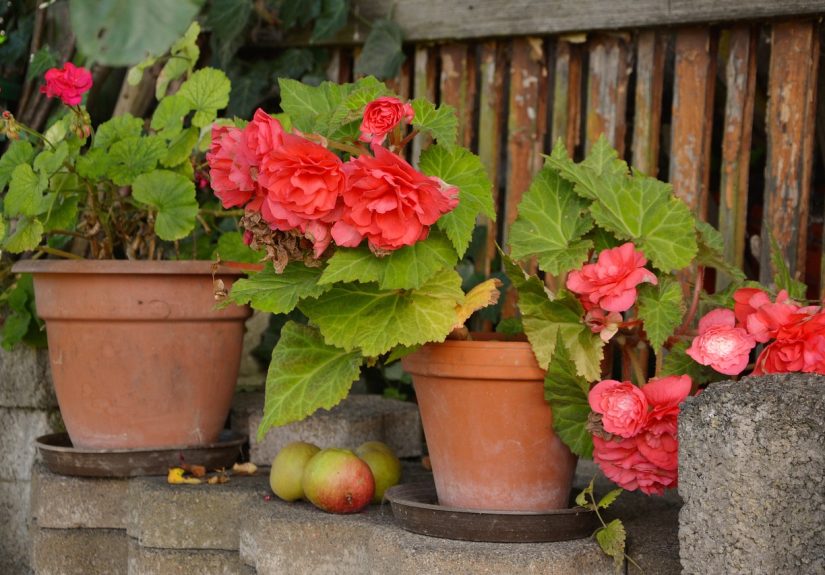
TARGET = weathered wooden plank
x,y
567,100
692,123
458,86
525,130
740,80
401,83
790,126
461,19
424,86
607,75
651,48
492,66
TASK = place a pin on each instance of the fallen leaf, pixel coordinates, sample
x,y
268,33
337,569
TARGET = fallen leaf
x,y
218,479
196,470
247,468
175,477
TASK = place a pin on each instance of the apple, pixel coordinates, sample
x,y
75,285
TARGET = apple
x,y
385,466
337,481
288,469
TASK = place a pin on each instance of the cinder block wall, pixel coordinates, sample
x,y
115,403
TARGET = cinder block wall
x,y
28,409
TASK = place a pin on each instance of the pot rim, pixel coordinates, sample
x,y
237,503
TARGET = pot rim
x,y
133,267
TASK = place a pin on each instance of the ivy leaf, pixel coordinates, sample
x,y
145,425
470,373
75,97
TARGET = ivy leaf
x,y
169,115
441,123
460,168
612,541
228,18
206,92
566,392
25,192
231,248
305,374
19,152
270,291
180,148
117,129
27,235
662,308
382,54
551,222
782,275
332,19
292,63
362,316
132,157
173,196
248,89
609,498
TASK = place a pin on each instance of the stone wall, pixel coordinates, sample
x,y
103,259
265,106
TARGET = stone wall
x,y
28,409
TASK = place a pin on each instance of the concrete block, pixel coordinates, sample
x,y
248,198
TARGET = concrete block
x,y
150,561
284,537
25,378
18,430
357,419
192,516
752,476
63,502
14,528
80,552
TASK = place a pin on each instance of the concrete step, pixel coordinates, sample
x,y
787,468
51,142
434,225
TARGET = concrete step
x,y
80,551
150,561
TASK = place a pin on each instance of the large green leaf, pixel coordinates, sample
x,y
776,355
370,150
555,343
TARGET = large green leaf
x,y
566,392
661,307
117,129
310,107
460,168
123,32
173,196
227,18
132,157
27,235
332,19
551,221
19,152
305,374
59,211
365,317
231,248
206,92
94,164
169,115
25,192
601,168
180,148
407,268
441,123
382,54
48,162
278,293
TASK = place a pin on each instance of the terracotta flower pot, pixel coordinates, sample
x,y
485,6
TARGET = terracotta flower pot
x,y
489,430
140,357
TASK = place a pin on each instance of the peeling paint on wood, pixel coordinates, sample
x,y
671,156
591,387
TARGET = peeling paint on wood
x,y
692,124
790,122
458,86
740,80
651,48
609,66
424,86
567,94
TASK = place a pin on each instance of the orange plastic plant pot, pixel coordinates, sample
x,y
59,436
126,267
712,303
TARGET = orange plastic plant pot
x,y
140,357
489,430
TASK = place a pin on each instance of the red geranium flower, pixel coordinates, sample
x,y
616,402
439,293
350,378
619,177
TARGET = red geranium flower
x,y
68,83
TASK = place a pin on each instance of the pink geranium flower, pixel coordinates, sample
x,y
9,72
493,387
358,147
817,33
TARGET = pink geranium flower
x,y
381,116
611,282
622,405
68,83
720,344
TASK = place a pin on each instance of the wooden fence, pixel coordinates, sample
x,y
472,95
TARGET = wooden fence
x,y
723,107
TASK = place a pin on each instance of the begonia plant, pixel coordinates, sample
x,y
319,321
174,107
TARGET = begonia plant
x,y
361,241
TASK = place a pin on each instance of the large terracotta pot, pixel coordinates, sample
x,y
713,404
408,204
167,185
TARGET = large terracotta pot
x,y
140,357
489,430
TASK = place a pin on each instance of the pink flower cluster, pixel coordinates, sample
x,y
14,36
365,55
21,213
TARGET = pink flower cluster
x,y
68,83
727,337
643,450
300,185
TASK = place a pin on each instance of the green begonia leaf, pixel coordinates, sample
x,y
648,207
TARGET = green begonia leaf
x,y
206,92
117,129
350,265
441,123
25,192
278,293
566,392
19,152
362,316
661,308
132,157
601,167
27,235
325,108
231,248
305,374
711,252
551,223
173,196
460,168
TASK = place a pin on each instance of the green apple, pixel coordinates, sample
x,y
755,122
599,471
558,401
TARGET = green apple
x,y
288,469
385,466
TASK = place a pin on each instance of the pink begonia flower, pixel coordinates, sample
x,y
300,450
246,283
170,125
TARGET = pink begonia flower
x,y
603,323
622,405
381,116
623,463
799,346
68,83
230,167
720,344
611,282
657,441
761,318
389,202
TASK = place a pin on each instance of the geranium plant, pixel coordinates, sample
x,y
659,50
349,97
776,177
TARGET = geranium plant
x,y
613,319
359,240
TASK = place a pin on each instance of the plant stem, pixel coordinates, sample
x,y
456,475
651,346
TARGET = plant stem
x,y
604,525
357,150
223,213
694,303
57,252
